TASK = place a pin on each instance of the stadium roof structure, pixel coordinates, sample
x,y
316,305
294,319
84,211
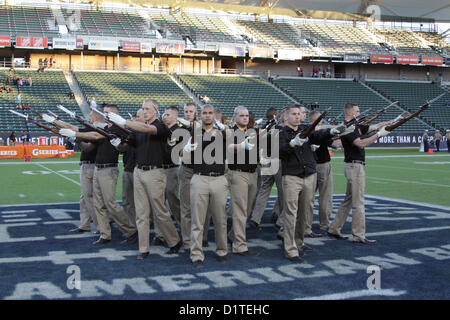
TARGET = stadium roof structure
x,y
419,10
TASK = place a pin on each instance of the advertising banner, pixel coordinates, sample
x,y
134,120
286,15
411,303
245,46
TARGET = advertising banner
x,y
31,42
105,45
5,41
437,61
231,51
289,54
381,58
407,59
260,52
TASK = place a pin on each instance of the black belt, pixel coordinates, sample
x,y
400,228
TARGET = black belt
x,y
147,168
211,174
86,162
244,170
357,161
107,165
168,166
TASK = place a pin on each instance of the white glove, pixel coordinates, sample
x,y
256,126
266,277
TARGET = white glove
x,y
115,142
264,161
99,125
342,130
67,133
48,118
246,145
189,147
184,122
259,121
314,147
116,119
383,132
297,141
219,125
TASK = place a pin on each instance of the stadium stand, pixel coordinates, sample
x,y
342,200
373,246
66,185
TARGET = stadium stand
x,y
413,94
227,92
27,21
335,93
129,90
49,89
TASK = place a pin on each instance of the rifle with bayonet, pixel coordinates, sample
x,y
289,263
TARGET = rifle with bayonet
x,y
378,114
305,133
403,120
28,120
85,123
355,121
105,116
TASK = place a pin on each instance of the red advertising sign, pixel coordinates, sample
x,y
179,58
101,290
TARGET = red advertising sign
x,y
31,42
174,48
5,41
131,46
381,58
407,59
437,61
79,44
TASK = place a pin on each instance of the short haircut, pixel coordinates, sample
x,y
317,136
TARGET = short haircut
x,y
349,106
312,114
208,106
152,102
239,109
190,104
111,106
294,106
173,107
270,113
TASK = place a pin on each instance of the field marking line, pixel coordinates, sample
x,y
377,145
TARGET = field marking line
x,y
357,294
40,162
401,181
57,173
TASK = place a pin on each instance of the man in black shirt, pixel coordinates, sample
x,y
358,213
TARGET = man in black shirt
x,y
324,180
87,166
208,185
149,177
299,175
242,177
106,174
170,168
354,157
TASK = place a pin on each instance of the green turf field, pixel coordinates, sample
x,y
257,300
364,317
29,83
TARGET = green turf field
x,y
394,173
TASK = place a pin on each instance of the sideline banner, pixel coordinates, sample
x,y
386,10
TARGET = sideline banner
x,y
15,152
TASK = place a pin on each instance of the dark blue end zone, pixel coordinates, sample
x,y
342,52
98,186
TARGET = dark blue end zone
x,y
39,259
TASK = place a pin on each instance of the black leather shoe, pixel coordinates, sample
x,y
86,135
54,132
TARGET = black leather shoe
x,y
295,259
79,230
280,238
142,256
101,241
157,242
252,225
230,241
197,264
175,248
221,258
364,241
246,254
205,244
131,239
337,236
313,235
274,218
306,248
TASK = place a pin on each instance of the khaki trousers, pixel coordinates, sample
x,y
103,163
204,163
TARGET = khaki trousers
x,y
87,212
208,194
325,186
128,196
149,190
184,180
172,190
105,182
243,187
297,203
264,193
354,200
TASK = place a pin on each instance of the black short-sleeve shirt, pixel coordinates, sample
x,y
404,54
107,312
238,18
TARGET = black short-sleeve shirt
x,y
106,152
150,149
352,152
322,154
204,167
88,155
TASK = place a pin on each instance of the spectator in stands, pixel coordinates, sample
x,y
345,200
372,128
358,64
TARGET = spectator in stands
x,y
437,139
10,90
71,95
51,62
8,79
93,102
19,101
23,136
15,79
2,143
29,81
26,107
328,71
19,83
11,69
45,63
300,71
40,65
320,71
315,72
